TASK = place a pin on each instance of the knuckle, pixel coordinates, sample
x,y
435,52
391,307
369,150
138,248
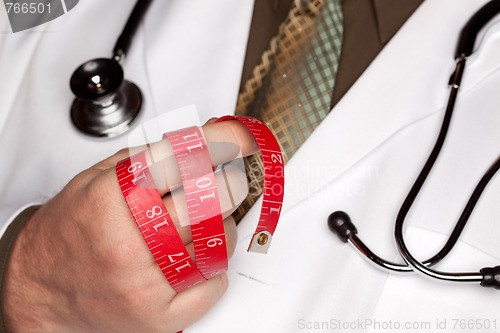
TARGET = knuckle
x,y
243,137
221,285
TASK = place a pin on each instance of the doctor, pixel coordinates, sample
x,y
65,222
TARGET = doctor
x,y
308,282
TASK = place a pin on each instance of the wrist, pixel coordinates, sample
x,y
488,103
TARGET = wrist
x,y
21,307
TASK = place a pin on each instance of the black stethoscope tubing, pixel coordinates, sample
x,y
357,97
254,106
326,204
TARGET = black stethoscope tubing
x,y
340,223
125,39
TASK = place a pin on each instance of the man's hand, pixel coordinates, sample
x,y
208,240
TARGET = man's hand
x,y
81,264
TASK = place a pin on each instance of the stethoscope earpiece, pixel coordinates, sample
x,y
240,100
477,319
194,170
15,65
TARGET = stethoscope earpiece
x,y
340,223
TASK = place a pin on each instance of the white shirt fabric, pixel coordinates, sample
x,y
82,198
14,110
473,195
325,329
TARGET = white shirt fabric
x,y
362,159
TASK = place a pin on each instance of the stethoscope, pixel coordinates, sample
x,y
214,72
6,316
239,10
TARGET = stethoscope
x,y
105,103
340,223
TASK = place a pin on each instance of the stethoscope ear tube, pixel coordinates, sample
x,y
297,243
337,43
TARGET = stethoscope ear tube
x,y
491,277
123,43
469,32
341,224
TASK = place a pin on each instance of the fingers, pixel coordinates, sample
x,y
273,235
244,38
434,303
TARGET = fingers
x,y
211,120
232,188
231,235
225,140
191,304
230,132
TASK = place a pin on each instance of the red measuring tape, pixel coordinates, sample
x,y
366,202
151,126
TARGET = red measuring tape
x,y
202,201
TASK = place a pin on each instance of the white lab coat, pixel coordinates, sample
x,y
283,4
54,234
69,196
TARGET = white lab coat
x,y
362,159
186,53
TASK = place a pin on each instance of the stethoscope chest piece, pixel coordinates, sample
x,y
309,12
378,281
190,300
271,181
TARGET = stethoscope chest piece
x,y
105,103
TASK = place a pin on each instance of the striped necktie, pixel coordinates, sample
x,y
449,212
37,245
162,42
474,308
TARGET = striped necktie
x,y
290,89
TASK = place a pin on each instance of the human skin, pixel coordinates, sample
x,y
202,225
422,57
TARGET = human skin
x,y
81,265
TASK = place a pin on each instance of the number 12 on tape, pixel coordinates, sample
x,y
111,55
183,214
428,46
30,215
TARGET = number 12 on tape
x,y
274,182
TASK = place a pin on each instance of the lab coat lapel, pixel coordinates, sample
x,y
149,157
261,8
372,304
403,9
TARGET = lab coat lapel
x,y
266,18
381,103
368,26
